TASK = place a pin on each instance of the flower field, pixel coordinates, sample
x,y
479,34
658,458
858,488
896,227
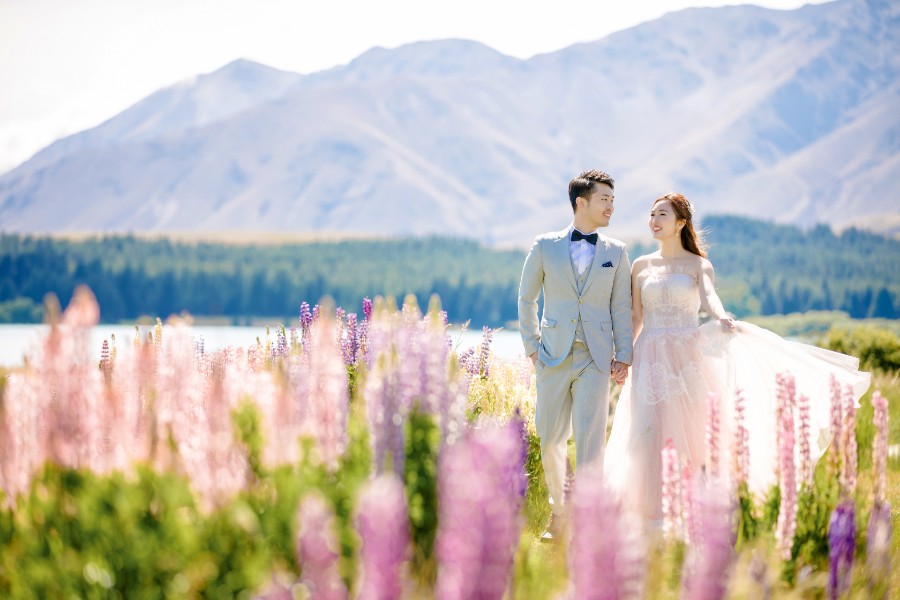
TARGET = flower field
x,y
362,456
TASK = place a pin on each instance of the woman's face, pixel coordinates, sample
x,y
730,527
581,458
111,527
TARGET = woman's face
x,y
663,221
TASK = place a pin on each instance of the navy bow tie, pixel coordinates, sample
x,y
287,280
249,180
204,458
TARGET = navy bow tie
x,y
590,238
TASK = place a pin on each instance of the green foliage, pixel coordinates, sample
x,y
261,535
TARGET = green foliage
x,y
876,348
771,505
423,439
748,525
21,310
761,268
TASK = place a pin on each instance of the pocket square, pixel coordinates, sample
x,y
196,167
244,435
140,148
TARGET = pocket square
x,y
607,264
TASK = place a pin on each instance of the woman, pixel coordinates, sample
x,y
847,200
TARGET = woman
x,y
678,363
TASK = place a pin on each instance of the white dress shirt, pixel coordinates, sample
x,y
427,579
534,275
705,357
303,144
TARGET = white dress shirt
x,y
582,252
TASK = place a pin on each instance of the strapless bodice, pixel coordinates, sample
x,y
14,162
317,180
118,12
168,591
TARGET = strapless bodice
x,y
670,297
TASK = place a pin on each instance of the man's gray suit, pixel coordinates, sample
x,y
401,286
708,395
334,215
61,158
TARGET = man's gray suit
x,y
586,324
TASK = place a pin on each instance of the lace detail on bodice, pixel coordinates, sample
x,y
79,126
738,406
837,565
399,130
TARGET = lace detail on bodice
x,y
670,297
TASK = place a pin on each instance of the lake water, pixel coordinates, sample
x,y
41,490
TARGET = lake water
x,y
15,340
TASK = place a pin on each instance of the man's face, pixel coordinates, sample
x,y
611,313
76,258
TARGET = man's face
x,y
598,207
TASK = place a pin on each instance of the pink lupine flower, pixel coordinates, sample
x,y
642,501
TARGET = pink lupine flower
x,y
329,403
480,479
673,526
741,451
837,426
879,445
607,552
841,547
367,308
787,513
804,476
688,503
707,567
712,434
383,526
317,549
849,463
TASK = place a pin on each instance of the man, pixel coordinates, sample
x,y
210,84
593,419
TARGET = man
x,y
584,336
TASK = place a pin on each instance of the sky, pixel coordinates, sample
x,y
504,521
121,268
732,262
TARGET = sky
x,y
68,65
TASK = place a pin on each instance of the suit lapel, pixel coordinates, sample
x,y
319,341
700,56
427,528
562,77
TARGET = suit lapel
x,y
601,255
564,258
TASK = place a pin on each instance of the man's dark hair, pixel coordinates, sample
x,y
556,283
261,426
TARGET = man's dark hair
x,y
584,184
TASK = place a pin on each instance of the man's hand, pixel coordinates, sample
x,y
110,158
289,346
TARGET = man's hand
x,y
619,371
534,359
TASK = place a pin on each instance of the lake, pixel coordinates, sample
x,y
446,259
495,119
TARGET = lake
x,y
15,340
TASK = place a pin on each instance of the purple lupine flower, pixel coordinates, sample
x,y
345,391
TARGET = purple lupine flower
x,y
294,339
673,526
383,526
712,434
804,477
317,549
741,451
306,320
367,308
315,313
879,445
281,346
849,463
707,567
841,547
787,512
385,414
607,552
878,548
837,426
350,345
480,519
484,352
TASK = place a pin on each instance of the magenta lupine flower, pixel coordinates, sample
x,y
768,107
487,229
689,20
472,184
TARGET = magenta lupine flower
x,y
480,519
367,308
712,434
382,522
606,553
707,567
741,451
841,547
879,445
317,549
849,463
673,526
804,477
787,513
837,426
878,547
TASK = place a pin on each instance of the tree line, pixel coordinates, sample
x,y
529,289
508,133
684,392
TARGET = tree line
x,y
762,268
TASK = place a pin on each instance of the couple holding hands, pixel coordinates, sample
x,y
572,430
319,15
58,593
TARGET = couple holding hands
x,y
604,316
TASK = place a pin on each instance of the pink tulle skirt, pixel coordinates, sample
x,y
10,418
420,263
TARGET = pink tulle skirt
x,y
665,398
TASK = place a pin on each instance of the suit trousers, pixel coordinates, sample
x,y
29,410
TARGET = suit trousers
x,y
572,396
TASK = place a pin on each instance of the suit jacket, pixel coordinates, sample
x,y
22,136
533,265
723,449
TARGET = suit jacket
x,y
604,304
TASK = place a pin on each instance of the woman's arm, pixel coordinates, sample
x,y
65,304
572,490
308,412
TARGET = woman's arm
x,y
637,309
708,297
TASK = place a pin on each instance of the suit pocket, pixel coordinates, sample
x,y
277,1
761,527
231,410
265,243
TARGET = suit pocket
x,y
606,325
545,322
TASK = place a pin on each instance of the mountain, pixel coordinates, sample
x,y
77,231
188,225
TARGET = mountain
x,y
784,115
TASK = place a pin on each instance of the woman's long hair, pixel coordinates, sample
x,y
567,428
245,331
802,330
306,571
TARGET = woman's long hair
x,y
691,240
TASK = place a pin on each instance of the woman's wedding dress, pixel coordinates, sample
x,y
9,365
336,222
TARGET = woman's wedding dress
x,y
677,363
